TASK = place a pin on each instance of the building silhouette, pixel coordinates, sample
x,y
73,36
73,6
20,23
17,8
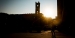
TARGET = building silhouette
x,y
22,22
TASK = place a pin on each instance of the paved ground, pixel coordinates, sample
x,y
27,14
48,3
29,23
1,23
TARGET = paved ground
x,y
61,35
43,34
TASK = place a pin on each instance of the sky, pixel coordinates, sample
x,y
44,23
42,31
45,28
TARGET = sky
x,y
26,6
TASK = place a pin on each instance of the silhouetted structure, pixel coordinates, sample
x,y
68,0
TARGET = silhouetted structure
x,y
68,17
37,7
22,22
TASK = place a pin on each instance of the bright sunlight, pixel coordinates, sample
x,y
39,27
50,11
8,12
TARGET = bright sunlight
x,y
50,13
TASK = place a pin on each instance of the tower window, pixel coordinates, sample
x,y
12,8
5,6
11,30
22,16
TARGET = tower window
x,y
37,5
37,12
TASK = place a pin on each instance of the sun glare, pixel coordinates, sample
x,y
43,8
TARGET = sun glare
x,y
49,13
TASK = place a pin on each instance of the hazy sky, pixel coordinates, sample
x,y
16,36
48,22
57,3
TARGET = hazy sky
x,y
26,6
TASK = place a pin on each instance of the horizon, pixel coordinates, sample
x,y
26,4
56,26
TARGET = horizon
x,y
47,7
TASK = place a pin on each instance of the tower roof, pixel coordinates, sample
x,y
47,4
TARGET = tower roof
x,y
38,2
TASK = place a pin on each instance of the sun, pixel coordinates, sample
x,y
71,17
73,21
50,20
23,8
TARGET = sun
x,y
49,13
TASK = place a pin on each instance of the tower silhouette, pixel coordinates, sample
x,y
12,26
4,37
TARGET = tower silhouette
x,y
37,7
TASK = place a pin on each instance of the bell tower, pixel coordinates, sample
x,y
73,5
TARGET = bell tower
x,y
37,7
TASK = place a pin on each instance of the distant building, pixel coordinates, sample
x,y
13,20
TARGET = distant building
x,y
30,15
37,12
37,7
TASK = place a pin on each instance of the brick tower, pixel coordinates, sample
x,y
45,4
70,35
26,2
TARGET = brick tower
x,y
37,7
